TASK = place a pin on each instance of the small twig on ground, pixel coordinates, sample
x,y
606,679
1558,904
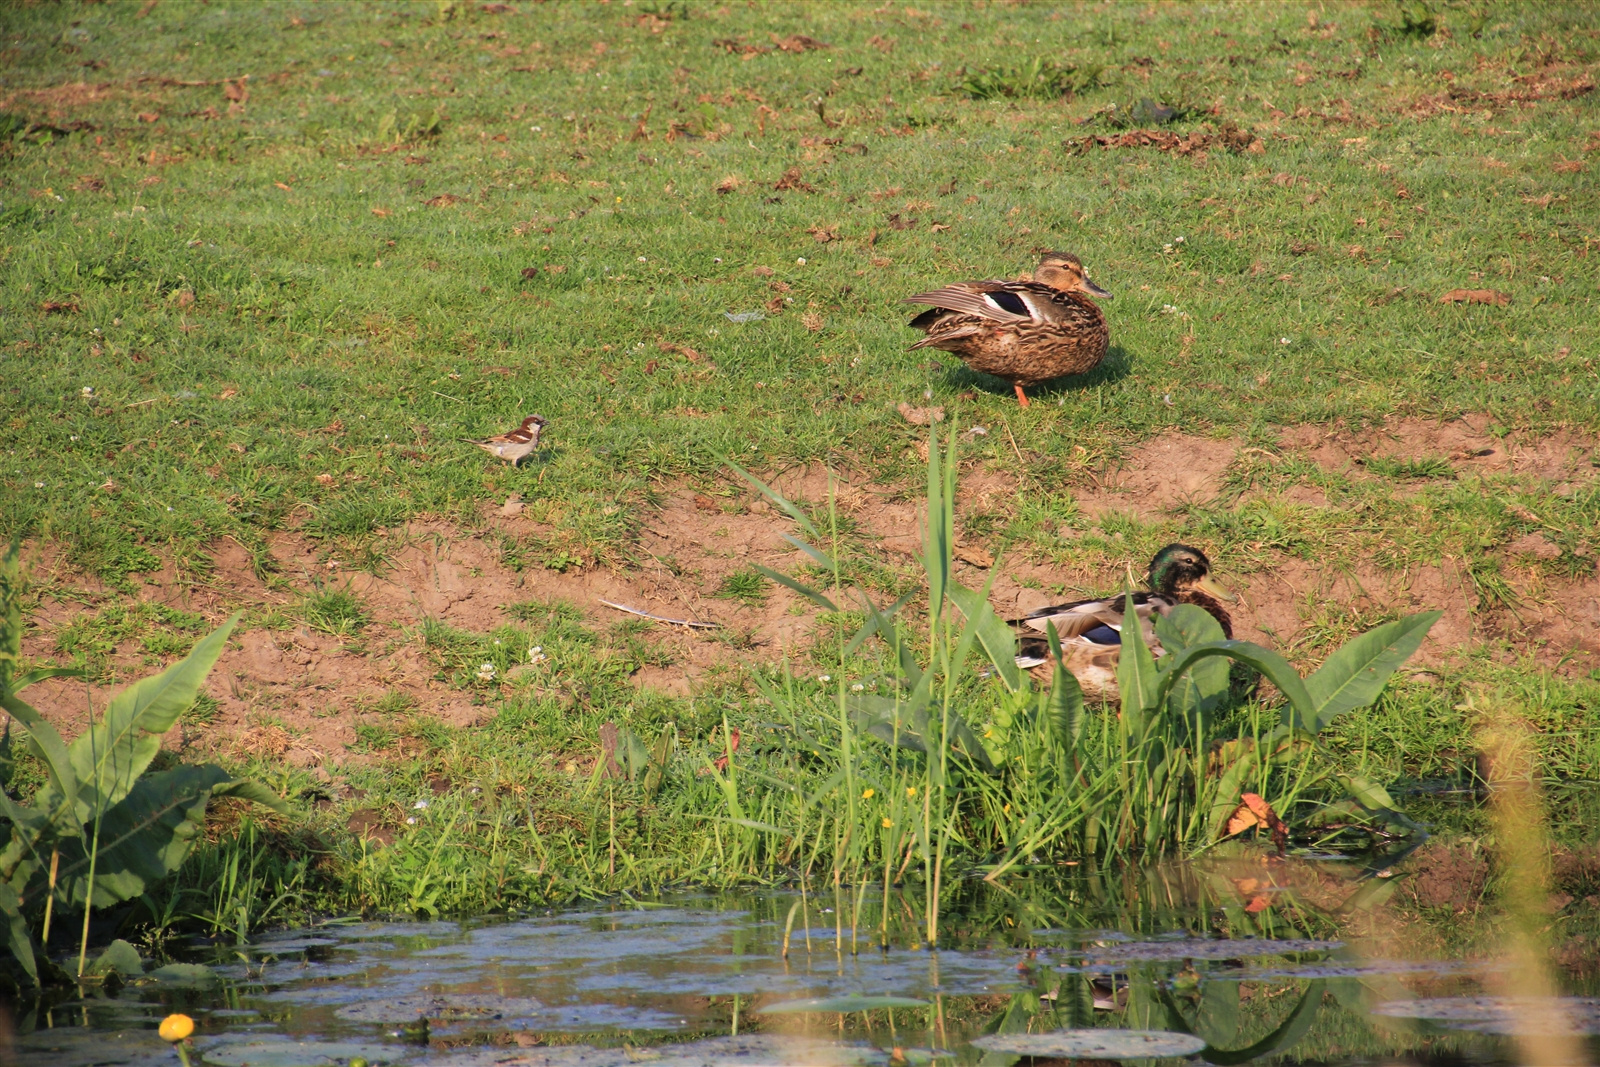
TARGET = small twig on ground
x,y
658,618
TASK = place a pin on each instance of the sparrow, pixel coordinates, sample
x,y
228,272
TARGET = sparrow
x,y
516,445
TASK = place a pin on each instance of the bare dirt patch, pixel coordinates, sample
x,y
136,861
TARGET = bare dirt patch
x,y
299,694
1166,471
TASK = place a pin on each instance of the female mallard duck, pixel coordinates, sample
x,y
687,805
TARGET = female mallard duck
x,y
1026,332
1091,630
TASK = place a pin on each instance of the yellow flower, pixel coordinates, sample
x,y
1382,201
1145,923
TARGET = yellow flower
x,y
1006,810
175,1028
911,790
887,822
867,794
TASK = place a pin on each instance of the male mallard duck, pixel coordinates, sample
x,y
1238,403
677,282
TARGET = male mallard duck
x,y
1026,332
1091,630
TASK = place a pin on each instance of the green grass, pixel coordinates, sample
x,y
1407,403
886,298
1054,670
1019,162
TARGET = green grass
x,y
251,366
254,315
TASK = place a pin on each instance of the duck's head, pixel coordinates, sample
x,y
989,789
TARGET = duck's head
x,y
1180,567
1064,271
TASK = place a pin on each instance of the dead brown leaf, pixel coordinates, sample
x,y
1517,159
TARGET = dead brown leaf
x,y
236,90
1567,166
1255,813
149,116
882,44
798,42
381,212
791,180
60,307
1476,296
728,184
822,235
812,321
443,200
919,416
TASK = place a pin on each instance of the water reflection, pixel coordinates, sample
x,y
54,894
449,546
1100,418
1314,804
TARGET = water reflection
x,y
1285,961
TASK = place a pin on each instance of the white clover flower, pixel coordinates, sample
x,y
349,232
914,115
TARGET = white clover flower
x,y
1166,248
88,390
1283,340
1168,309
858,687
421,805
40,485
486,672
411,820
1178,240
643,260
825,678
536,655
801,261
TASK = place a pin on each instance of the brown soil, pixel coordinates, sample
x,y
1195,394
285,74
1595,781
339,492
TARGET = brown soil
x,y
296,694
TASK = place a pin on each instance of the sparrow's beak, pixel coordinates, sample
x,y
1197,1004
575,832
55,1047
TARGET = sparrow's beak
x,y
1094,290
1209,585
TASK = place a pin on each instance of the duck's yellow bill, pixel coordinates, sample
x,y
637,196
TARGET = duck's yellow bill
x,y
1210,585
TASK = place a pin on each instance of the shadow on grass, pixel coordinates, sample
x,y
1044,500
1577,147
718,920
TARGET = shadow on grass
x,y
1116,366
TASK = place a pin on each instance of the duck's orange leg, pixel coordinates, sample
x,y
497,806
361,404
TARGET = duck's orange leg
x,y
1022,398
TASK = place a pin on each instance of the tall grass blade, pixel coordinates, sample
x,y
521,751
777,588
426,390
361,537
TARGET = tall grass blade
x,y
997,640
799,587
784,505
1137,678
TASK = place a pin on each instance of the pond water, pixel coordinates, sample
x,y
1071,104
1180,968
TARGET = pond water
x,y
1228,960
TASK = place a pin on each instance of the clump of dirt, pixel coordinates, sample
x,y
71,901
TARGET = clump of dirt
x,y
1447,876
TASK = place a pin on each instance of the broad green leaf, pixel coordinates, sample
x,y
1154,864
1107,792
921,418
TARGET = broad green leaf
x,y
939,541
39,674
965,740
143,838
1354,675
804,590
1204,687
1137,678
659,757
48,745
1287,1034
19,940
253,791
112,754
1066,696
1277,669
997,640
118,958
777,498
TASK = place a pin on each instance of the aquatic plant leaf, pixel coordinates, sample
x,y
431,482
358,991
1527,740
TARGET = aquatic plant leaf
x,y
256,1051
939,540
1066,695
1137,678
849,1002
1354,675
1203,688
118,958
892,722
19,939
142,839
799,587
996,639
111,755
46,743
1285,1036
440,1008
183,976
1098,1043
1277,670
659,756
